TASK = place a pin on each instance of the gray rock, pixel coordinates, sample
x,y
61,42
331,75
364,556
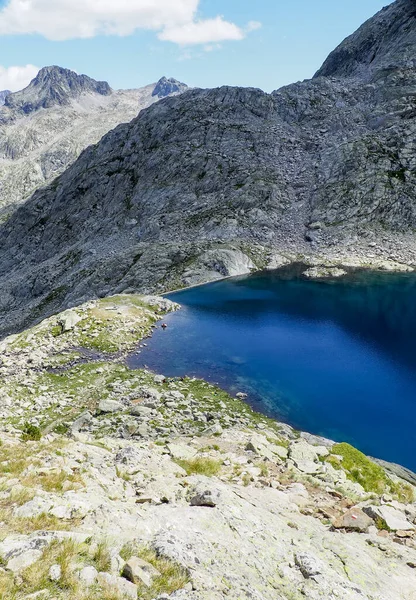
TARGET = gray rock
x,y
110,406
88,576
308,564
354,519
395,519
139,571
141,411
260,446
397,470
82,421
214,429
33,508
68,320
55,572
45,127
208,498
127,589
181,451
324,272
24,560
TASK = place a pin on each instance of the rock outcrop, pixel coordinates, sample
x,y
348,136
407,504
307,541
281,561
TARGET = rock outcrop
x,y
193,497
3,96
204,184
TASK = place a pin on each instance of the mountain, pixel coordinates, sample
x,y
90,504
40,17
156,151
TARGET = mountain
x,y
168,87
46,126
54,86
3,96
217,182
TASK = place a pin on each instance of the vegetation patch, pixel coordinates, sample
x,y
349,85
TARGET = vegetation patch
x,y
31,433
360,469
200,466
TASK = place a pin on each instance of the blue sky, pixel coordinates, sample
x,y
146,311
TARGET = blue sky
x,y
205,43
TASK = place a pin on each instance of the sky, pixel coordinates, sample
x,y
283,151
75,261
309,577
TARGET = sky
x,y
204,43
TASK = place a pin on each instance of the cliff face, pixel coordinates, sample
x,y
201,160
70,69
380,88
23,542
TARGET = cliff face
x,y
325,166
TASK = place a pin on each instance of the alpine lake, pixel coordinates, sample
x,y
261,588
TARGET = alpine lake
x,y
334,357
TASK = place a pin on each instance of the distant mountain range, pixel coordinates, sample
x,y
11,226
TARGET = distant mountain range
x,y
210,182
46,126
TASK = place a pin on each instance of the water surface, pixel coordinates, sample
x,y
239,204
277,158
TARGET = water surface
x,y
336,357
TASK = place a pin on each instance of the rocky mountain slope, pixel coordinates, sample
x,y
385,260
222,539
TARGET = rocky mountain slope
x,y
45,127
120,484
217,182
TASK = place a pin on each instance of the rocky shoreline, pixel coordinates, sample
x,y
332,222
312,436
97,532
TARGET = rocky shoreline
x,y
123,484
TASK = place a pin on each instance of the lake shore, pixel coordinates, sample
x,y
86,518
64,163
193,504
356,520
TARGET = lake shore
x,y
155,467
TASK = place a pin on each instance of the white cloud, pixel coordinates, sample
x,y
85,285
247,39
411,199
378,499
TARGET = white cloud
x,y
65,19
202,32
174,20
17,78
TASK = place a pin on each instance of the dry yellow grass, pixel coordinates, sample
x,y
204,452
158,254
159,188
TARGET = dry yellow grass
x,y
54,481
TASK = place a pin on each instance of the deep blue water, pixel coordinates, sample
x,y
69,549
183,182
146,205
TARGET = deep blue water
x,y
336,358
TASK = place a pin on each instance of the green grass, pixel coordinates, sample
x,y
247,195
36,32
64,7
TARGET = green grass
x,y
31,433
200,466
360,469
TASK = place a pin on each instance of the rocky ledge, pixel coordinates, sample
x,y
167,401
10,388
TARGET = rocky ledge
x,y
121,484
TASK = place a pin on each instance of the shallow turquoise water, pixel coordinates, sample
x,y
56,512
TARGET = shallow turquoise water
x,y
336,358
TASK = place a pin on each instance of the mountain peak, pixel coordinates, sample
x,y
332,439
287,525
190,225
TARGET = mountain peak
x,y
167,87
54,86
386,41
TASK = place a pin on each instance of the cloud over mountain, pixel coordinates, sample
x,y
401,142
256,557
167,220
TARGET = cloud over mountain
x,y
174,20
